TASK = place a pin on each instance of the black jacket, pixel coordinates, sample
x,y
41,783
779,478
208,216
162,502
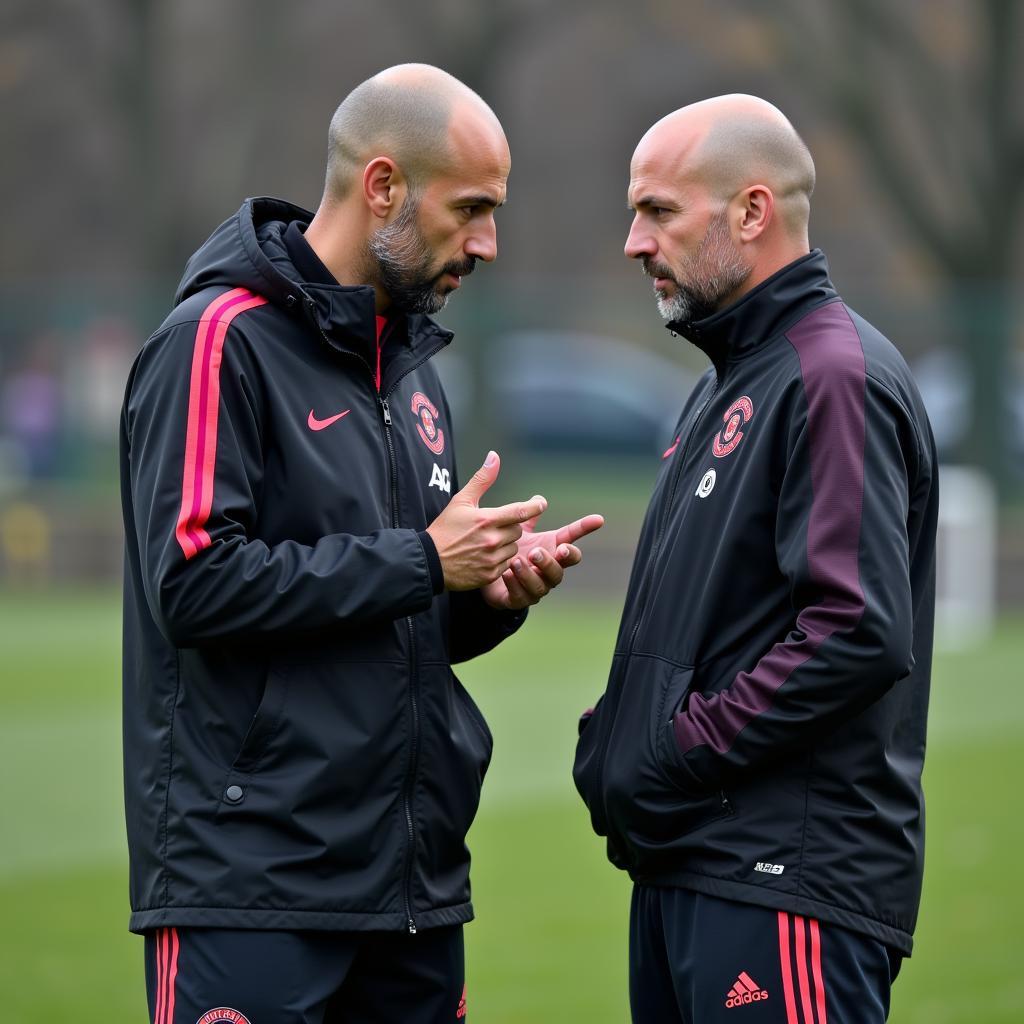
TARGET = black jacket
x,y
762,734
298,752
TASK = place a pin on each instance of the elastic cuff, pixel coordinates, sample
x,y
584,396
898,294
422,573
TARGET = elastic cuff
x,y
433,561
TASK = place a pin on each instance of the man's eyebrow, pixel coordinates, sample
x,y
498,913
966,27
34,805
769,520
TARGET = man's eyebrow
x,y
646,201
479,200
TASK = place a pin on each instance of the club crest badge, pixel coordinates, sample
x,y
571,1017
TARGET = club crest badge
x,y
430,433
736,416
223,1015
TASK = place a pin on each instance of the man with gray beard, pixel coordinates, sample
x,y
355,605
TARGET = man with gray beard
x,y
301,571
755,761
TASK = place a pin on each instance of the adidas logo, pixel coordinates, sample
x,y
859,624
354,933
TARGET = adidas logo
x,y
746,990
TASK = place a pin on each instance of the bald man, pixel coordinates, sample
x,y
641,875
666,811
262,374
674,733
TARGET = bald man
x,y
755,761
301,763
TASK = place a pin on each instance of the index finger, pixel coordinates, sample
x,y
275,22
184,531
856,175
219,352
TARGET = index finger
x,y
518,511
580,528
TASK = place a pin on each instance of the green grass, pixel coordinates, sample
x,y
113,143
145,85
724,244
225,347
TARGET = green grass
x,y
549,941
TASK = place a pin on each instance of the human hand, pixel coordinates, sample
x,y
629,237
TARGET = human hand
x,y
476,545
539,564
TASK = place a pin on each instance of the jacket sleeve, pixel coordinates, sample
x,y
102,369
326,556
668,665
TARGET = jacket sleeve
x,y
841,543
195,473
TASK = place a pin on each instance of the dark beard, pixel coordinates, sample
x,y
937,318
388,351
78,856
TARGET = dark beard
x,y
713,273
403,261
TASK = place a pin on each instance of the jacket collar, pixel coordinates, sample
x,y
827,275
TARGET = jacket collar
x,y
344,315
763,312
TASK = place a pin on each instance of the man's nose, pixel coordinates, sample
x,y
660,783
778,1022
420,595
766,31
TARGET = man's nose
x,y
639,242
483,242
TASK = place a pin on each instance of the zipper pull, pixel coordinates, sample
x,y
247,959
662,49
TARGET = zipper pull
x,y
412,926
387,420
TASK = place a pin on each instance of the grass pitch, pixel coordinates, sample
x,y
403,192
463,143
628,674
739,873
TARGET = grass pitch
x,y
549,943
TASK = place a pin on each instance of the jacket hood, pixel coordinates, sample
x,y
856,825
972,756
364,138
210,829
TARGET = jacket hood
x,y
248,251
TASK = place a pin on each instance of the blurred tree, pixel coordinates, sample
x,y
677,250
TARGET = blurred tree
x,y
928,92
134,95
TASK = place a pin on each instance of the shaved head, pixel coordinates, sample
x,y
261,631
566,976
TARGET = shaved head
x,y
730,142
417,163
721,192
404,113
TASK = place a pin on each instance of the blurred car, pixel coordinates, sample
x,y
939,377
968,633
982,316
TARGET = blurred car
x,y
945,383
583,393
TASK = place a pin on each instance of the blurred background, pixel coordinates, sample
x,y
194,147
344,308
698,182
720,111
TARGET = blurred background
x,y
132,128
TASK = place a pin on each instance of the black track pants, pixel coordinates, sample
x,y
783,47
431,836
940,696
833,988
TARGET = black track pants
x,y
696,959
224,976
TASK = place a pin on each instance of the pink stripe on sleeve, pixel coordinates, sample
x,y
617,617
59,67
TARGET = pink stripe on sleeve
x,y
203,409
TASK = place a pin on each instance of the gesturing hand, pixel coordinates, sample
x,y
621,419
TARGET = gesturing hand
x,y
476,545
539,563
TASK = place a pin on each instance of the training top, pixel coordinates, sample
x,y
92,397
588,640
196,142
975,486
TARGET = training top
x,y
298,753
762,734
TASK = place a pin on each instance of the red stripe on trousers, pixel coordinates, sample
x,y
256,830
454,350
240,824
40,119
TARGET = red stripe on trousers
x,y
161,971
203,409
819,981
801,970
787,970
173,975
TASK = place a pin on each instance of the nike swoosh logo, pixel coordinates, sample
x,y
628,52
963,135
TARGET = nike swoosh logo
x,y
315,424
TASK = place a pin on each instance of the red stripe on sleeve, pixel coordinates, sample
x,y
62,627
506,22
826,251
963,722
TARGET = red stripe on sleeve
x,y
203,411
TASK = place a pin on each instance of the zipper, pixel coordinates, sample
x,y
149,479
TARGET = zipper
x,y
680,462
410,775
410,778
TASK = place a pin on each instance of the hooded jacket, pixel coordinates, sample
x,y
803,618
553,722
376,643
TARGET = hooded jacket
x,y
762,734
298,753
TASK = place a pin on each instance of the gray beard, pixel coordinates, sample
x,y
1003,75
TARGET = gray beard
x,y
402,259
714,272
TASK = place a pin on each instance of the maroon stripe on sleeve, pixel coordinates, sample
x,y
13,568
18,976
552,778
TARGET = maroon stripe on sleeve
x,y
832,366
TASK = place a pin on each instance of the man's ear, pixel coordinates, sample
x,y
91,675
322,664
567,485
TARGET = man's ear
x,y
384,187
755,208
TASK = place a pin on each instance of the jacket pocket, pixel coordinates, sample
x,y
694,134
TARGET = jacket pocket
x,y
587,765
475,716
454,753
264,726
645,807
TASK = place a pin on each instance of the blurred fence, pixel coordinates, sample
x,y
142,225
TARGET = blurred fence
x,y
575,382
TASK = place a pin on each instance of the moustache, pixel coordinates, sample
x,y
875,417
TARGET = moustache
x,y
458,269
652,269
